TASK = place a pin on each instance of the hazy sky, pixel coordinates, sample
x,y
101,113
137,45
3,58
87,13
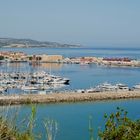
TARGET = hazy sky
x,y
88,22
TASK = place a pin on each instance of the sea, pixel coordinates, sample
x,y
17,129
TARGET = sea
x,y
73,118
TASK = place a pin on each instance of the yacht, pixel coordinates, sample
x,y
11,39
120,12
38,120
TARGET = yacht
x,y
136,87
58,80
107,87
122,87
29,88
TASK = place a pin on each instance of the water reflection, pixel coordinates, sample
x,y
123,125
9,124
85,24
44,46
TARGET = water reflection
x,y
54,66
20,67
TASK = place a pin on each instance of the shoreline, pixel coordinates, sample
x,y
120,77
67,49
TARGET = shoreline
x,y
69,97
35,59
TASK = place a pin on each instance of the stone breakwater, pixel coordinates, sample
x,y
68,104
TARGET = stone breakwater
x,y
66,97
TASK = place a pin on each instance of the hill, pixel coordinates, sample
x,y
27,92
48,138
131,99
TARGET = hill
x,y
12,42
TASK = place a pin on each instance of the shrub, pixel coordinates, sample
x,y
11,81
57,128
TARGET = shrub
x,y
119,127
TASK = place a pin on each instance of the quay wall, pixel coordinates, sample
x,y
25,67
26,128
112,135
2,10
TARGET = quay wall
x,y
66,97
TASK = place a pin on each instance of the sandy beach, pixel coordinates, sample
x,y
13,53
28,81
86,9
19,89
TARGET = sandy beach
x,y
66,97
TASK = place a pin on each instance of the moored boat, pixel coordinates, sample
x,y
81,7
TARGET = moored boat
x,y
136,87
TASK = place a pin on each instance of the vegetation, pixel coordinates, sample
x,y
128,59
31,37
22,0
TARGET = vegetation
x,y
117,127
10,131
51,127
91,128
30,58
1,57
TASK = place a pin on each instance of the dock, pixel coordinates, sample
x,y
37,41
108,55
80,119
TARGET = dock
x,y
66,97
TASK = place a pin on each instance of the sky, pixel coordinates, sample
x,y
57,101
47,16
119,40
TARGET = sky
x,y
86,22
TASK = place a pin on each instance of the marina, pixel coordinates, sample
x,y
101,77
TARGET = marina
x,y
42,81
30,81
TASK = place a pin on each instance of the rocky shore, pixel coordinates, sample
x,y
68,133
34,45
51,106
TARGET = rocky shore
x,y
66,97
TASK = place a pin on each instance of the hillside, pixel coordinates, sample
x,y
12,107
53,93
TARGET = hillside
x,y
11,42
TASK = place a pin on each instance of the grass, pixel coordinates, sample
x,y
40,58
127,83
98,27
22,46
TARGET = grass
x,y
9,130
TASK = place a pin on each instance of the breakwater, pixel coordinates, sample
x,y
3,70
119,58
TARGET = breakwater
x,y
66,97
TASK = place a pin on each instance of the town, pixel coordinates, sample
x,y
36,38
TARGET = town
x,y
11,57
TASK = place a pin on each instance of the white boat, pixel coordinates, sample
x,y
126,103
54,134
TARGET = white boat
x,y
90,90
80,91
58,81
29,88
107,87
122,87
136,87
56,86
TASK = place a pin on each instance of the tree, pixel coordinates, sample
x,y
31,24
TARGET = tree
x,y
1,57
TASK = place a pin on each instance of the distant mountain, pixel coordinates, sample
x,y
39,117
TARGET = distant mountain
x,y
12,42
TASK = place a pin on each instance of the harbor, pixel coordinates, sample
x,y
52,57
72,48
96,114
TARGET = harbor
x,y
34,75
69,70
93,89
41,81
35,81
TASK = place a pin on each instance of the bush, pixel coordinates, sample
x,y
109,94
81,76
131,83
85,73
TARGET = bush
x,y
119,127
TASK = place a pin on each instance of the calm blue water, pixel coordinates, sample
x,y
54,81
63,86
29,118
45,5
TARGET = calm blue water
x,y
73,118
82,76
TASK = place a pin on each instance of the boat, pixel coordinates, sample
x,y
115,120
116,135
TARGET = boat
x,y
29,88
107,87
91,90
57,81
80,91
136,87
121,86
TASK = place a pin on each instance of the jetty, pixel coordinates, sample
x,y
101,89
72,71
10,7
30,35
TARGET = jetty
x,y
66,97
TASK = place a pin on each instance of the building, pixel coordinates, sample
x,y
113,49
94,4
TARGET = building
x,y
46,58
14,56
51,58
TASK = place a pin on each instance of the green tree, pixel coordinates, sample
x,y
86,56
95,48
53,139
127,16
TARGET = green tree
x,y
1,57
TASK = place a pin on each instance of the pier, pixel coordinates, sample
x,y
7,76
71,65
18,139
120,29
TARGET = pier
x,y
66,97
